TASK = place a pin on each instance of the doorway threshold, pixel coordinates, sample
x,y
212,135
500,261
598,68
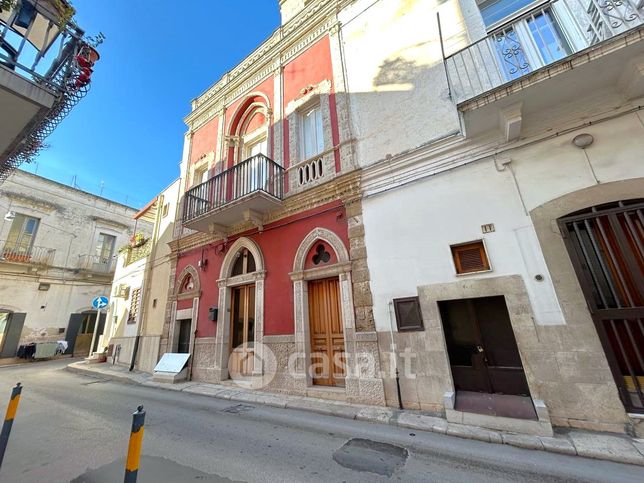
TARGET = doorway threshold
x,y
516,414
335,393
504,405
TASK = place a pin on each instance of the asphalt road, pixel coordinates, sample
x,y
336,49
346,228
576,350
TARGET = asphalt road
x,y
76,428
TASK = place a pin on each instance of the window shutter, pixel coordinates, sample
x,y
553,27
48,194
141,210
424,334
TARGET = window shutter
x,y
408,315
135,302
470,257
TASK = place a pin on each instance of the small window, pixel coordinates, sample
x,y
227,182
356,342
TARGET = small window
x,y
200,175
135,302
408,316
187,285
312,133
470,257
166,210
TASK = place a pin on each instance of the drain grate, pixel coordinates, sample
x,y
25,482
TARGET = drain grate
x,y
238,408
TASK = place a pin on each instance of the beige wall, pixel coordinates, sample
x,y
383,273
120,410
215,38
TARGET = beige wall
x,y
70,224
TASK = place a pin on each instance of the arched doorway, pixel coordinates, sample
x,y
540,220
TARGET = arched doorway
x,y
240,326
606,246
184,319
324,318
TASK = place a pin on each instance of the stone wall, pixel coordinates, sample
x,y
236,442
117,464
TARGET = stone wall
x,y
203,360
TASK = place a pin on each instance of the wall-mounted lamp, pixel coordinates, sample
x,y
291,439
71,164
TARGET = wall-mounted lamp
x,y
10,215
583,140
202,264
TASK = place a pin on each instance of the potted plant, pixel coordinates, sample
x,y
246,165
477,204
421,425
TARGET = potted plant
x,y
137,240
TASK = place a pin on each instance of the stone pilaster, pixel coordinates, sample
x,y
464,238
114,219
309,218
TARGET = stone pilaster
x,y
362,298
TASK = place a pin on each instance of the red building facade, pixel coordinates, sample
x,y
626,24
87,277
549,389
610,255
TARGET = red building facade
x,y
271,285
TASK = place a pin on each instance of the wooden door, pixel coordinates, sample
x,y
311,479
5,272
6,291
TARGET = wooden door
x,y
483,352
242,333
327,337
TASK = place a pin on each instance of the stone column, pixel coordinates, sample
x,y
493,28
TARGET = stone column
x,y
223,333
302,336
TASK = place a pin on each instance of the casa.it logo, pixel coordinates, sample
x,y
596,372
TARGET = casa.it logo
x,y
252,365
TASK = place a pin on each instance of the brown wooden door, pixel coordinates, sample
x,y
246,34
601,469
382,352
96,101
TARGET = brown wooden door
x,y
327,337
482,349
242,333
606,246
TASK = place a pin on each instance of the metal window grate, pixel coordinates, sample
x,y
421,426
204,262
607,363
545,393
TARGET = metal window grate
x,y
606,246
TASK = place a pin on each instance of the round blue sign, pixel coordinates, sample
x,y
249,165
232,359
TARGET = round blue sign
x,y
100,302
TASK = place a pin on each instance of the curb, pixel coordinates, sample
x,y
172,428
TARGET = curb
x,y
625,451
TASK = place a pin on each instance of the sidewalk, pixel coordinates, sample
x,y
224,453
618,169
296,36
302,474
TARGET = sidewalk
x,y
604,446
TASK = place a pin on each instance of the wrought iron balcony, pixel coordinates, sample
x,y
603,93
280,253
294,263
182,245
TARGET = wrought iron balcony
x,y
544,35
17,253
96,264
249,189
44,62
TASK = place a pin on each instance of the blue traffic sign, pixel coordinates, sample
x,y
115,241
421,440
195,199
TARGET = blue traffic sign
x,y
100,302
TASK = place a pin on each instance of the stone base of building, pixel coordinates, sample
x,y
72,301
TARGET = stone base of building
x,y
147,355
278,378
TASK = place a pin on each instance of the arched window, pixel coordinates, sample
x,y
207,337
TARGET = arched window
x,y
245,263
187,285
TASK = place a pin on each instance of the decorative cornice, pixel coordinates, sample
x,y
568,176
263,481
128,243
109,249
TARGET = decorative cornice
x,y
345,188
108,222
32,202
317,19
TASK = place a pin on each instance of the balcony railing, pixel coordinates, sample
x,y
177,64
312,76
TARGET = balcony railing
x,y
96,264
12,252
135,254
254,175
550,32
41,49
38,43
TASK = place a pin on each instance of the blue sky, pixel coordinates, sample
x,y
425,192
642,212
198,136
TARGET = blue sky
x,y
158,55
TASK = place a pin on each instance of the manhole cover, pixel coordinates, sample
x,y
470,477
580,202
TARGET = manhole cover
x,y
365,455
238,408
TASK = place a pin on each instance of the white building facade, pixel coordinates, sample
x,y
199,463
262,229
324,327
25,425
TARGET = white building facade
x,y
140,287
59,246
502,203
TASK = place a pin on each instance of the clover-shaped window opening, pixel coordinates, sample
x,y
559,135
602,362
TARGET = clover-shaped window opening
x,y
187,285
244,264
321,255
